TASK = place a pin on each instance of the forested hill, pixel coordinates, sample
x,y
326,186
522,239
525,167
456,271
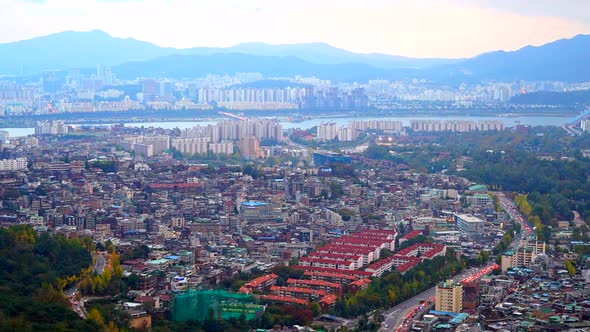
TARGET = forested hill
x,y
33,270
553,98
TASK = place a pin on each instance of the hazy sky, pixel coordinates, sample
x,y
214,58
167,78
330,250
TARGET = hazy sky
x,y
419,28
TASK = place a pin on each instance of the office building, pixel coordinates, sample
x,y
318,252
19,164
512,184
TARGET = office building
x,y
324,158
150,89
480,200
51,82
166,91
469,224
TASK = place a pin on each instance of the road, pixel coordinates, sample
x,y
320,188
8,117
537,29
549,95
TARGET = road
x,y
515,214
395,316
399,316
73,292
99,264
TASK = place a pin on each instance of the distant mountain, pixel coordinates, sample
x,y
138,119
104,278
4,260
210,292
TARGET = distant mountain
x,y
190,66
67,50
562,60
271,83
322,53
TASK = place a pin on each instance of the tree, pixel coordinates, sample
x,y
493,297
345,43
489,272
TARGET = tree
x,y
569,266
109,246
392,296
133,281
95,316
315,309
112,327
336,190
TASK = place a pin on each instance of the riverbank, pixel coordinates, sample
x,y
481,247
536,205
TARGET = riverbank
x,y
310,122
285,116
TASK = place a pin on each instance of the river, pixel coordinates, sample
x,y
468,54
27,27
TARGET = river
x,y
509,121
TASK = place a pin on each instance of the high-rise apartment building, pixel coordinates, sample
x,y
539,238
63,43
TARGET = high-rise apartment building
x,y
222,148
4,136
51,128
524,256
250,148
327,131
387,126
13,164
147,146
449,296
191,146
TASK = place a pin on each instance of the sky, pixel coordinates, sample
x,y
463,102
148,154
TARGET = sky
x,y
415,28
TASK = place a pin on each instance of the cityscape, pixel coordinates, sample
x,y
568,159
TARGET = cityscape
x,y
182,184
72,92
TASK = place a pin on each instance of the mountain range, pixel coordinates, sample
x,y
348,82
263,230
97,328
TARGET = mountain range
x,y
563,60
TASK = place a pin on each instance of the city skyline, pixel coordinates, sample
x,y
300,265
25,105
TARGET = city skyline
x,y
447,29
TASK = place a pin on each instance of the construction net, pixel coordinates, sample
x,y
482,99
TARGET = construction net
x,y
214,304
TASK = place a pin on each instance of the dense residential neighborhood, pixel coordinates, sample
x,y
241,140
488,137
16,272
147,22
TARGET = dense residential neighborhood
x,y
310,229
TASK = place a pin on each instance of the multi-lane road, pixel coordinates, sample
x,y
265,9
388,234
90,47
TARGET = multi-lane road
x,y
514,213
397,318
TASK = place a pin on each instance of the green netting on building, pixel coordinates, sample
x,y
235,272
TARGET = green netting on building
x,y
196,305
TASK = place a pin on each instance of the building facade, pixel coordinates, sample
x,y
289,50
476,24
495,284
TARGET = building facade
x,y
449,296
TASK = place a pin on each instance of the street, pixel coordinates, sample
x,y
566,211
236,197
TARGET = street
x,y
73,292
396,318
515,214
99,265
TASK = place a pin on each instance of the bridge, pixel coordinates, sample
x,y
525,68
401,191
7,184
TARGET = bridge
x,y
579,118
233,116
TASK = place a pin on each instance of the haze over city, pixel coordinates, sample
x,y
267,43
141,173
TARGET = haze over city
x,y
426,28
295,166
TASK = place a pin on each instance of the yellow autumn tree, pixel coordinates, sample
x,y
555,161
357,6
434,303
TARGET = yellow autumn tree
x,y
95,316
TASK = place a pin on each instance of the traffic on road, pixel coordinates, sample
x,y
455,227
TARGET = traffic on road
x,y
416,310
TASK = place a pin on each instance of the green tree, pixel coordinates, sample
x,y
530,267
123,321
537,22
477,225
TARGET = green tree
x,y
569,266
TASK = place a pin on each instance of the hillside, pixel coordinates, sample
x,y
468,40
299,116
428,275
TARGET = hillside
x,y
552,98
32,267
